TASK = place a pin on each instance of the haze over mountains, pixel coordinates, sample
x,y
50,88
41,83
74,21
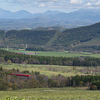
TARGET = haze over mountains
x,y
24,19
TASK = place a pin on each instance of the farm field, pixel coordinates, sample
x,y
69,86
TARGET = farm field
x,y
67,93
50,70
58,54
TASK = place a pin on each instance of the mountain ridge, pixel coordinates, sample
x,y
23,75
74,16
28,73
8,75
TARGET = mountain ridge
x,y
26,20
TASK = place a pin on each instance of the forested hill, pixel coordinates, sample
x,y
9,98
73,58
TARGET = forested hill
x,y
79,36
28,37
70,38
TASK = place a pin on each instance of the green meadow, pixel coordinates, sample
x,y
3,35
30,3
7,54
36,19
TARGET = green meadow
x,y
58,54
48,70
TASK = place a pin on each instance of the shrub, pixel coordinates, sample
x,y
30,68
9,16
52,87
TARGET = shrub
x,y
93,87
1,69
97,83
14,87
9,62
52,83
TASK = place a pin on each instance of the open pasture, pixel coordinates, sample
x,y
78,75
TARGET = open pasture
x,y
51,70
68,93
58,54
48,70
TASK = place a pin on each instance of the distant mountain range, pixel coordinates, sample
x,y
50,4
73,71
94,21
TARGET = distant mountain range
x,y
6,14
26,20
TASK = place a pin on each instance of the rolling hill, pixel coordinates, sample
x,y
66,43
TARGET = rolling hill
x,y
82,38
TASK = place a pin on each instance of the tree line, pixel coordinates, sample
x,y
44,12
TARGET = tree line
x,y
36,49
34,59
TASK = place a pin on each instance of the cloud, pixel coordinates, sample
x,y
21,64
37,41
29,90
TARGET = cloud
x,y
42,5
97,3
47,0
88,4
61,4
93,4
75,1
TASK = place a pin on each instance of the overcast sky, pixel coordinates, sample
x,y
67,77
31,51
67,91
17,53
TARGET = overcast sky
x,y
36,6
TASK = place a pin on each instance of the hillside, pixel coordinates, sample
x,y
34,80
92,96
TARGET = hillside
x,y
86,37
79,37
15,38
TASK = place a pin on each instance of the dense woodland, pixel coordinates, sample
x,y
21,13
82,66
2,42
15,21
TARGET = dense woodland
x,y
29,36
78,35
53,39
36,49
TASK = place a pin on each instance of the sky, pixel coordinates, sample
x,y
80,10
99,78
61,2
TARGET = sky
x,y
40,6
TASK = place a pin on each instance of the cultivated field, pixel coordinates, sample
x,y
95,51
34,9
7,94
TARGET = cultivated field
x,y
68,93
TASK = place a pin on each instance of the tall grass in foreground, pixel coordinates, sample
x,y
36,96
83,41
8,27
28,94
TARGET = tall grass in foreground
x,y
50,94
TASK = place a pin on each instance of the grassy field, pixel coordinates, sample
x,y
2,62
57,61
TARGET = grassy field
x,y
58,54
68,93
48,70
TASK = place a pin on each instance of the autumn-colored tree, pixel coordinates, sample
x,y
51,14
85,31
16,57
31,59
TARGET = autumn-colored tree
x,y
9,62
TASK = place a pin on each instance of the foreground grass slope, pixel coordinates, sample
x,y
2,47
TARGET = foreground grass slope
x,y
68,93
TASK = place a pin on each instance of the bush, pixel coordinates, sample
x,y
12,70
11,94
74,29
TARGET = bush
x,y
52,83
96,83
14,87
1,69
93,87
9,62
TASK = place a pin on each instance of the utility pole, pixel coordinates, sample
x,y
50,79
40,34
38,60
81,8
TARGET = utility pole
x,y
91,67
26,45
7,47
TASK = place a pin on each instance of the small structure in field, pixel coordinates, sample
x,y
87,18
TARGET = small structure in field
x,y
25,75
